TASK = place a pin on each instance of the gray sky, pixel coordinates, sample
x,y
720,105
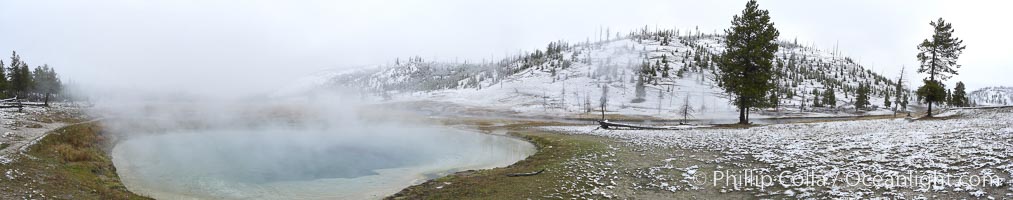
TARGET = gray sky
x,y
255,46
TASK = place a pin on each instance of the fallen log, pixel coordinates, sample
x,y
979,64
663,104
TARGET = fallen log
x,y
608,125
526,174
33,104
20,104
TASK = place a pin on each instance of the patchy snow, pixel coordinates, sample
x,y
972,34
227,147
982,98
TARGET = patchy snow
x,y
12,174
972,153
950,113
593,168
23,129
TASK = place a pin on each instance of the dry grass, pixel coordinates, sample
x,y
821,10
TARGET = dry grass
x,y
71,154
75,143
69,163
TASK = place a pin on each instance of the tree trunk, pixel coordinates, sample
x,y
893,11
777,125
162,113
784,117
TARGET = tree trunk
x,y
747,115
932,74
742,115
603,112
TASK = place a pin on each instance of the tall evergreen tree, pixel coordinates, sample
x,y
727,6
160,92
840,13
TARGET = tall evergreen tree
x,y
664,60
26,77
3,80
862,98
816,99
959,96
18,80
904,101
886,100
938,56
829,99
747,61
949,97
932,91
46,82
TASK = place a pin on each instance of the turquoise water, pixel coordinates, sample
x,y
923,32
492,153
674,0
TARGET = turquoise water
x,y
283,163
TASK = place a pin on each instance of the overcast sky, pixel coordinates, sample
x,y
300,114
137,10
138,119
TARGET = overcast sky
x,y
256,46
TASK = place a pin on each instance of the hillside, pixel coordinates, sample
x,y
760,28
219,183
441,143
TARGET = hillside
x,y
992,96
649,73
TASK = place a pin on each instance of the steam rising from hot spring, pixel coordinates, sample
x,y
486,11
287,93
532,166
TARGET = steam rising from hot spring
x,y
305,149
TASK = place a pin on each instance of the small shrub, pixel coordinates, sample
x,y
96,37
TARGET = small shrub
x,y
71,154
79,137
32,125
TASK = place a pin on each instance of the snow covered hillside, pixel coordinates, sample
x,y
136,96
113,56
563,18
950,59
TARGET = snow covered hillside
x,y
648,73
992,96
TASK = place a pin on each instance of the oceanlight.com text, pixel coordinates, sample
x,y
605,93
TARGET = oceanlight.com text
x,y
762,178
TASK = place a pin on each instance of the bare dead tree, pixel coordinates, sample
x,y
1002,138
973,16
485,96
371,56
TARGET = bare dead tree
x,y
604,100
686,111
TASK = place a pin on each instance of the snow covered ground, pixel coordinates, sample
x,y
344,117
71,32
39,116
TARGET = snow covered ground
x,y
965,156
21,129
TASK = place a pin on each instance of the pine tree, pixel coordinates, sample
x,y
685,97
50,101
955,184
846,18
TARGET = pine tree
x,y
18,78
949,98
862,98
746,66
959,96
938,56
656,68
816,99
3,80
829,98
664,60
931,92
12,71
904,102
886,100
46,82
646,72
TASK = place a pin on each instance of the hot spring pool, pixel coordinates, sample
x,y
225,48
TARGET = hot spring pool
x,y
285,163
